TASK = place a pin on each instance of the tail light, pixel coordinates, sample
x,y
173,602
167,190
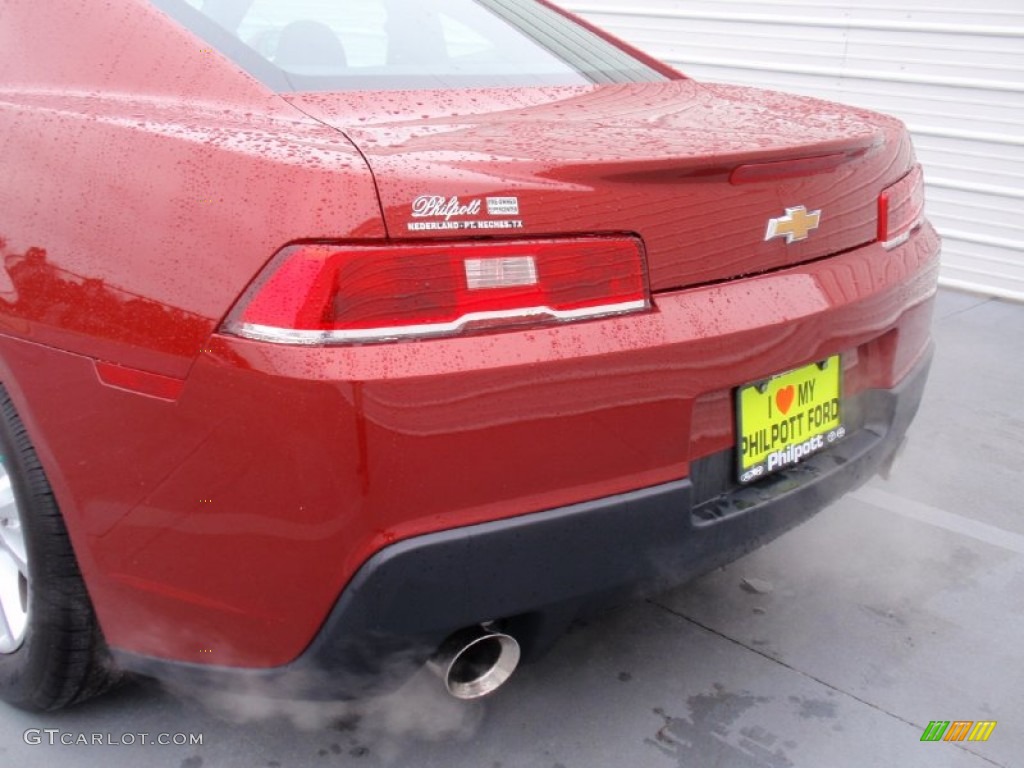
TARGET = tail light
x,y
901,209
338,294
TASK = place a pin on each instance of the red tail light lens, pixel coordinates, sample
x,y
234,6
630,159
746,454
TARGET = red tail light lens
x,y
338,294
901,209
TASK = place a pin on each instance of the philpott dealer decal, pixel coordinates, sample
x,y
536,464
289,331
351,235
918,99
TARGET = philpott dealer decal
x,y
451,213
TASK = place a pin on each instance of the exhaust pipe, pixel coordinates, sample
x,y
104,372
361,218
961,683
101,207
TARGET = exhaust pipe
x,y
475,661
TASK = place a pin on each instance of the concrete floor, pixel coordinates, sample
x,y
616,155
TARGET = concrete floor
x,y
901,604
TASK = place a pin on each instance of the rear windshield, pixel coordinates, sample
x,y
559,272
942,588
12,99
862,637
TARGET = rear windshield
x,y
332,45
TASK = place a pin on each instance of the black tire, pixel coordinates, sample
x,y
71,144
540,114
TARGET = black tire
x,y
58,657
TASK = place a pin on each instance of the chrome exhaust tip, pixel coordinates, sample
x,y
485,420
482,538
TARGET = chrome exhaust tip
x,y
475,661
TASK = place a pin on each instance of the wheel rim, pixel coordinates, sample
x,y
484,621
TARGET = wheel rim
x,y
13,569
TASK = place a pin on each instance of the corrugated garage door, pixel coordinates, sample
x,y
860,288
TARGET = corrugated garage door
x,y
953,71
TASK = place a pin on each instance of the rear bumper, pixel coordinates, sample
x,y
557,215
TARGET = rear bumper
x,y
222,527
539,571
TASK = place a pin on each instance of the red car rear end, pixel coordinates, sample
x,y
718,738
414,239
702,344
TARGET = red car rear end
x,y
320,377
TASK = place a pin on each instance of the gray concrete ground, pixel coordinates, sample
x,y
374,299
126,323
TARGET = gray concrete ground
x,y
902,604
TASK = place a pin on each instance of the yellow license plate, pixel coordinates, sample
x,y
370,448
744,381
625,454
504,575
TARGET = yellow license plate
x,y
787,418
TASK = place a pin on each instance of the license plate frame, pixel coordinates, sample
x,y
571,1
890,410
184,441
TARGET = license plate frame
x,y
788,417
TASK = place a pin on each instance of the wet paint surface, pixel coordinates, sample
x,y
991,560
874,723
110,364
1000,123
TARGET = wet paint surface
x,y
654,159
146,182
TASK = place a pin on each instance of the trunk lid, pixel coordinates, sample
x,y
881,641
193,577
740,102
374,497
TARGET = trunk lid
x,y
656,159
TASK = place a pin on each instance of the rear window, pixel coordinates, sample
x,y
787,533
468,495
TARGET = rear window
x,y
332,45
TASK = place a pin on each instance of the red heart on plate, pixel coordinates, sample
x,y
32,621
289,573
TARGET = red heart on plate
x,y
784,398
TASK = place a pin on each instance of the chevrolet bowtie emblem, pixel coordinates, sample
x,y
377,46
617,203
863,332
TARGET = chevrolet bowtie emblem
x,y
795,225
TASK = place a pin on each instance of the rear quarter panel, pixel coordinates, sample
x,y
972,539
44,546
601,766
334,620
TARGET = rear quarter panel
x,y
144,181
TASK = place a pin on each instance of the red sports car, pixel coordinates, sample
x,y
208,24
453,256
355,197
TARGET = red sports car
x,y
340,337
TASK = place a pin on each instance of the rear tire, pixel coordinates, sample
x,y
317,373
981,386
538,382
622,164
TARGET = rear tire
x,y
52,653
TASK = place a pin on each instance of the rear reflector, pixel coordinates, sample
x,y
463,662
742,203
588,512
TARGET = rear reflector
x,y
338,294
901,209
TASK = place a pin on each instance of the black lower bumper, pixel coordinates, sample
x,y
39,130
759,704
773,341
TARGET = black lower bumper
x,y
537,572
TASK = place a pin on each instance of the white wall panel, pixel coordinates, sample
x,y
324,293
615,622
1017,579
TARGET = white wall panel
x,y
954,72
